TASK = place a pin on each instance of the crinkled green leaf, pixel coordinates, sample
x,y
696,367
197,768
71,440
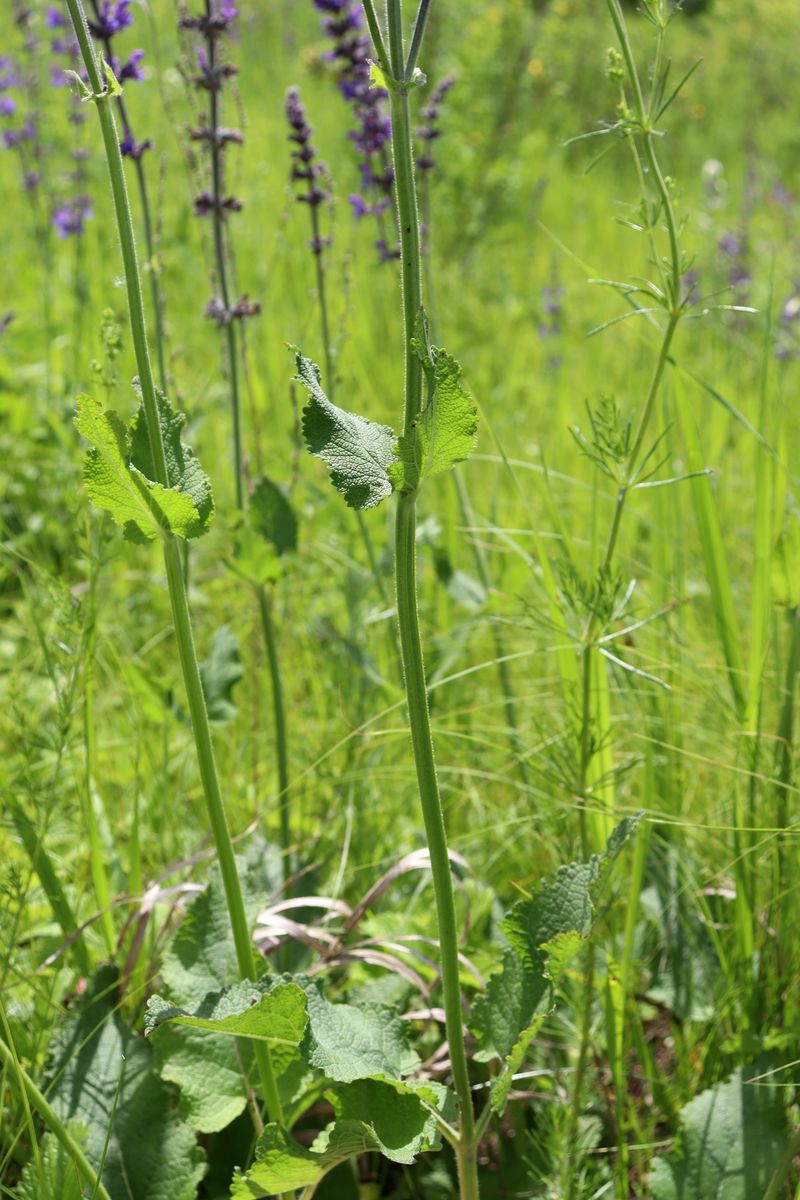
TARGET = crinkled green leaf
x,y
544,932
184,472
398,1121
370,1115
202,956
214,1074
357,451
443,433
565,904
219,673
272,1011
60,1178
272,516
348,1041
732,1138
211,1073
210,1069
103,1077
143,508
283,1165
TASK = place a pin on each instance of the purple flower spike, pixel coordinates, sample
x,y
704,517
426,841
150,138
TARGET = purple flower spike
x,y
350,51
214,24
304,167
8,106
110,18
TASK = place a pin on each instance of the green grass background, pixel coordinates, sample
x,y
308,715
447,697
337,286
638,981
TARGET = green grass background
x,y
511,210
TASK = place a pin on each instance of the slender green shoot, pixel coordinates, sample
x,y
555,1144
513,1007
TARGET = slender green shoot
x,y
100,93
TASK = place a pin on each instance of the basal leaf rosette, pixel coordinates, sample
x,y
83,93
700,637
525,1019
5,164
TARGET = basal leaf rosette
x,y
357,1055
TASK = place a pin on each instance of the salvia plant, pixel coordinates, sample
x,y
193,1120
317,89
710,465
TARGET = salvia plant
x,y
256,1080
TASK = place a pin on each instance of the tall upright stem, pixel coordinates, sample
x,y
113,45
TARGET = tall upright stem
x,y
147,225
408,619
172,556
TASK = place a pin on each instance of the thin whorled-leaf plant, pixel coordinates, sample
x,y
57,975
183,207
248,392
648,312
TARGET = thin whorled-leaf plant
x,y
627,453
123,487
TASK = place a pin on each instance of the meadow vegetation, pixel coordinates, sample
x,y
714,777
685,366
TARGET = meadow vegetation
x,y
421,821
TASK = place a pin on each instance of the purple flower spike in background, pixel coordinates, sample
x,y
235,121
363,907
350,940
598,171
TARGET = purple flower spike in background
x,y
350,53
549,326
69,217
308,171
213,23
132,69
210,77
107,19
110,18
429,131
54,18
733,247
20,102
305,169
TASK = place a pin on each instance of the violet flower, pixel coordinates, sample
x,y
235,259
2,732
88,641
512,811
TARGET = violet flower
x,y
109,18
71,211
24,80
19,99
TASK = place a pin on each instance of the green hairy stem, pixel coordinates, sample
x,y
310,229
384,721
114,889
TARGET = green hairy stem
x,y
407,615
172,553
